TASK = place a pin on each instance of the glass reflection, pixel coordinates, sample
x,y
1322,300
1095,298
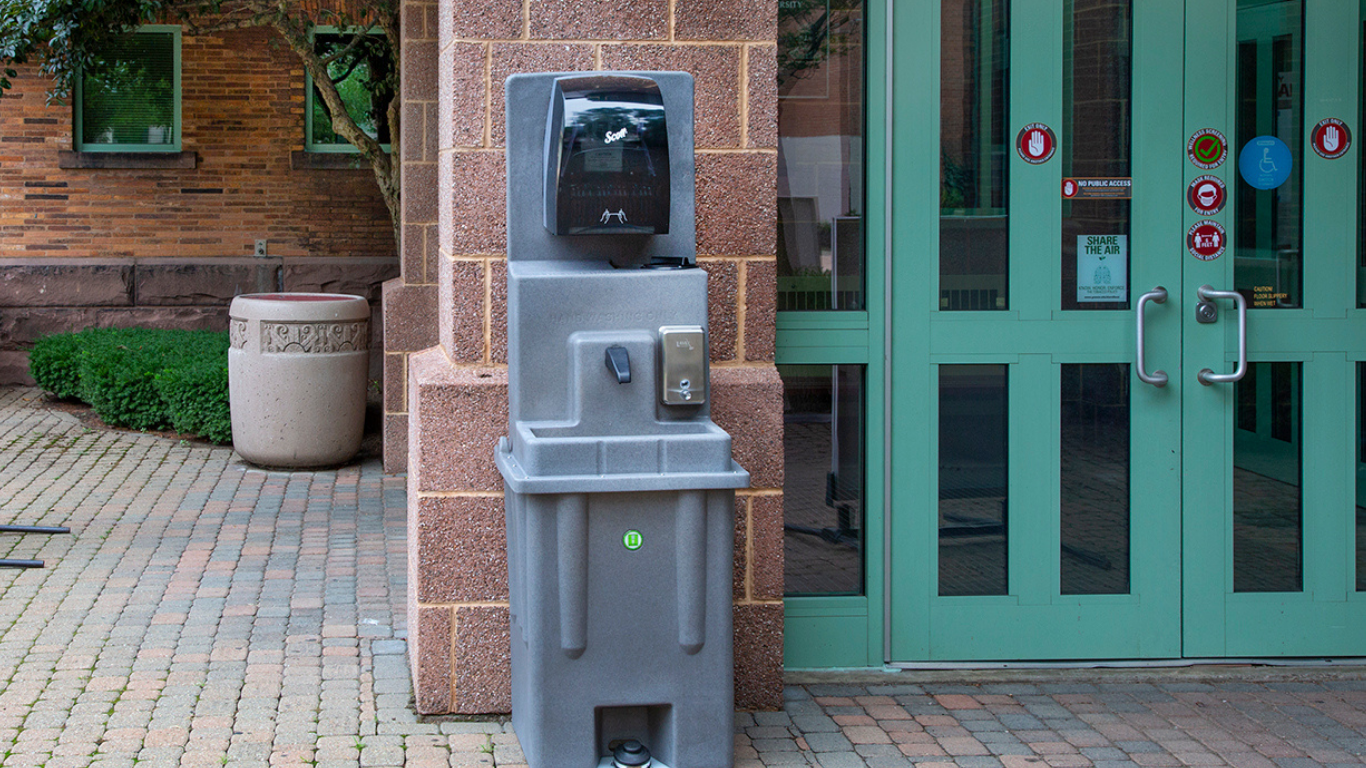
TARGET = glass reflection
x,y
1361,478
974,65
972,480
1268,260
1097,85
131,100
1361,189
823,480
820,155
1094,516
1267,519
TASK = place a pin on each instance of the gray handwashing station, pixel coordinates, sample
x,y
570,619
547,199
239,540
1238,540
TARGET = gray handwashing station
x,y
619,488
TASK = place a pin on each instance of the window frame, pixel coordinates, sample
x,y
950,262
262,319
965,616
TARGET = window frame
x,y
344,147
78,100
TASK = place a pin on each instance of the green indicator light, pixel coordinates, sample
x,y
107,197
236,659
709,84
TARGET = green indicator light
x,y
632,540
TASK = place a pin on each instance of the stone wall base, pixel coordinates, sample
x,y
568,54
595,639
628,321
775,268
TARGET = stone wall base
x,y
39,297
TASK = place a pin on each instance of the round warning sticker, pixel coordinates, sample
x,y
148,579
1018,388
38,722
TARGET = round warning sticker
x,y
1207,148
1036,143
1206,240
1207,195
1331,139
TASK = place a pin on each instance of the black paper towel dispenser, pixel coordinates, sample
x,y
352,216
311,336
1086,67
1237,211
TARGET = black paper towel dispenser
x,y
607,157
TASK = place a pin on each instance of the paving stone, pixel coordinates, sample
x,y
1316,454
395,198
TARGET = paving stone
x,y
814,723
768,732
772,718
828,742
840,760
206,610
784,758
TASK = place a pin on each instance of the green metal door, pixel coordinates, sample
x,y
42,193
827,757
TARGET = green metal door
x,y
1271,542
1053,495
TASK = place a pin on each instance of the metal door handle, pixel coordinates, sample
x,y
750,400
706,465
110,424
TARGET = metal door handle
x,y
1207,295
1157,295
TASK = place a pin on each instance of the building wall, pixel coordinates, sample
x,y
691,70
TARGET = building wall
x,y
170,246
452,297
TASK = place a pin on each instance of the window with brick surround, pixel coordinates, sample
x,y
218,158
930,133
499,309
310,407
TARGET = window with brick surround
x,y
132,103
361,76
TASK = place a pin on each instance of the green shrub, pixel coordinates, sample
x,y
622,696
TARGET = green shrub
x,y
118,379
196,396
55,365
142,378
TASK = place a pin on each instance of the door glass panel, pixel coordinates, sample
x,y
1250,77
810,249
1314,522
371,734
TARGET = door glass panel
x,y
974,67
1094,463
1361,477
1267,520
1268,258
972,480
823,410
1097,78
820,155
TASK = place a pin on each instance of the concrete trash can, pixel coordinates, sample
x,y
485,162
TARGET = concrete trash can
x,y
297,373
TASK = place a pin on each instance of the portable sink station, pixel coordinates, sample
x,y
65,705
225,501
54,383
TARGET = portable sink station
x,y
619,488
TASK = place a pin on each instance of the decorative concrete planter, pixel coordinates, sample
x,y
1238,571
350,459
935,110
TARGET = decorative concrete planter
x,y
296,377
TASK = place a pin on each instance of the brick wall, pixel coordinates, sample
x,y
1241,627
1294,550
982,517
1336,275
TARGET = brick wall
x,y
191,229
456,402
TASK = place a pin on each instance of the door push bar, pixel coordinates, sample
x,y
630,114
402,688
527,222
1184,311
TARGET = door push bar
x,y
1207,312
1157,295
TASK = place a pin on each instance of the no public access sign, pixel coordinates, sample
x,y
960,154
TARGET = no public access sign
x,y
1111,187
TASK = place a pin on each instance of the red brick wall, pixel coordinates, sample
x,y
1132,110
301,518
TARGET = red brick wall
x,y
243,114
170,246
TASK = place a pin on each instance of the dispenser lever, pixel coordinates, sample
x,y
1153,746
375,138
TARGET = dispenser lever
x,y
619,363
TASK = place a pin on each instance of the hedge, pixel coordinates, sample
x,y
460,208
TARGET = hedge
x,y
141,378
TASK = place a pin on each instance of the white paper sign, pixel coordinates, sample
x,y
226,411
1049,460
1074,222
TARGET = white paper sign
x,y
1102,268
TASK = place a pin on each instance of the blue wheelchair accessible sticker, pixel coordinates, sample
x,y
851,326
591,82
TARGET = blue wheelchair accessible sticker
x,y
1265,162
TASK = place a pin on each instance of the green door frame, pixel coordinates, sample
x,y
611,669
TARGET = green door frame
x,y
900,619
847,631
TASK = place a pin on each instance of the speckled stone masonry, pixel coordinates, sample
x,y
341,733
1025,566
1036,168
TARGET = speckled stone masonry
x,y
455,403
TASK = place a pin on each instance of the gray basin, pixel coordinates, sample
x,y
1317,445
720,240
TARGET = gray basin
x,y
564,449
560,457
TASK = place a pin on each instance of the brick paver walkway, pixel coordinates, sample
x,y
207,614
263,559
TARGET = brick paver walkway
x,y
1213,716
203,613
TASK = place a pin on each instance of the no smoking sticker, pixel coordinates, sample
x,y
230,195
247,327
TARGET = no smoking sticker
x,y
1036,143
1331,139
1207,195
1206,240
1207,148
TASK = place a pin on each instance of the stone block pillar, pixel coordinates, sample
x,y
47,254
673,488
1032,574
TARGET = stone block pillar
x,y
410,299
456,395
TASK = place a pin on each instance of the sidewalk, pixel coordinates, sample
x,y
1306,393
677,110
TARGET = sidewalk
x,y
203,613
